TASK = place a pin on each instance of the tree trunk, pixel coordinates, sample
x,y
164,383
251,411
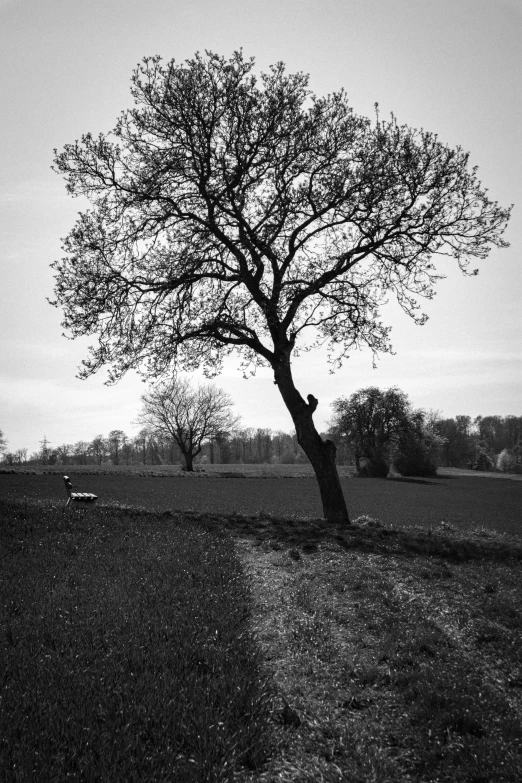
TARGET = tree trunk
x,y
320,453
188,459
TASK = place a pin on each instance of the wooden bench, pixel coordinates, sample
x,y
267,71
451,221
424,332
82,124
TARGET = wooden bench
x,y
78,497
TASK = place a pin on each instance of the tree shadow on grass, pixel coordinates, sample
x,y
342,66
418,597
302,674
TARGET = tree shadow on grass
x,y
308,534
366,534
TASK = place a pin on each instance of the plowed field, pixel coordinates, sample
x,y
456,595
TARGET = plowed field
x,y
463,502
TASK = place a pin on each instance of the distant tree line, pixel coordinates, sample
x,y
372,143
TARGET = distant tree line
x,y
245,445
482,443
373,429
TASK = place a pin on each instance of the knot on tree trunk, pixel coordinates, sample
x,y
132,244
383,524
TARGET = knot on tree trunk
x,y
313,402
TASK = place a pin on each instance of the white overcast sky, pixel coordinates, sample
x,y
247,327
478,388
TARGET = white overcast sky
x,y
450,66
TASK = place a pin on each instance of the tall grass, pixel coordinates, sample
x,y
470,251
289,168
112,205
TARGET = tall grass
x,y
125,651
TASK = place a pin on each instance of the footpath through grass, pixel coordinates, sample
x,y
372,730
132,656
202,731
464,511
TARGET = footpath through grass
x,y
125,650
399,651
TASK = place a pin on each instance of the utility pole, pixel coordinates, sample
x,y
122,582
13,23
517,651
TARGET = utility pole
x,y
44,450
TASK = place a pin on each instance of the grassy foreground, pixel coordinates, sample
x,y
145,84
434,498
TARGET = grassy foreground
x,y
145,646
125,650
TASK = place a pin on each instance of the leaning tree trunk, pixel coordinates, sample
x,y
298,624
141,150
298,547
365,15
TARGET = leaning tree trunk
x,y
321,453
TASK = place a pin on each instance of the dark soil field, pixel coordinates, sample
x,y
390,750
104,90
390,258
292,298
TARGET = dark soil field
x,y
464,502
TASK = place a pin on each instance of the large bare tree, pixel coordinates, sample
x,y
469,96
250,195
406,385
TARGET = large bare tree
x,y
231,213
188,415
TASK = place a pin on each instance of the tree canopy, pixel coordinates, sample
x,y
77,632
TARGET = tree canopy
x,y
239,213
382,428
373,421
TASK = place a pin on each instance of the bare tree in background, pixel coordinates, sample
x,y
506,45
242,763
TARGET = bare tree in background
x,y
115,442
189,415
81,452
98,448
21,455
140,444
230,213
63,452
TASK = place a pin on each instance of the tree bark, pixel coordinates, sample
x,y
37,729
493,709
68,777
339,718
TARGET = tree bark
x,y
321,453
188,459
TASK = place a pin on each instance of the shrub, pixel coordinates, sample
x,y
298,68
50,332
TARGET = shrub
x,y
374,468
417,454
415,462
484,461
505,461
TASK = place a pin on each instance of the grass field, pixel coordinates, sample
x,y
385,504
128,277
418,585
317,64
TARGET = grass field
x,y
126,652
220,643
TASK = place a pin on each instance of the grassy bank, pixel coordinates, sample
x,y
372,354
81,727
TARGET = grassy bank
x,y
125,650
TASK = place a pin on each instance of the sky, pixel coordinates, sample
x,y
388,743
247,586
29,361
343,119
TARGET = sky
x,y
453,68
